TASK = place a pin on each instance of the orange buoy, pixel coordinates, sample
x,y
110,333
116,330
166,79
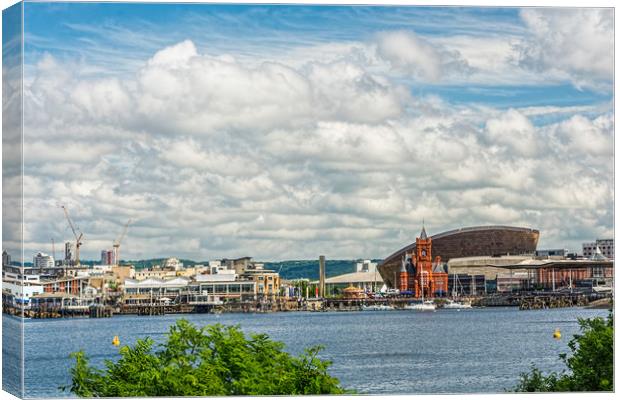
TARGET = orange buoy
x,y
557,334
116,342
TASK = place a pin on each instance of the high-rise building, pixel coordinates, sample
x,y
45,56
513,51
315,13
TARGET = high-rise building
x,y
107,257
43,261
68,252
605,245
6,258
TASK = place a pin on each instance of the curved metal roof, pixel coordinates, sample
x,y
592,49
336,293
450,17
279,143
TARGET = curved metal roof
x,y
459,231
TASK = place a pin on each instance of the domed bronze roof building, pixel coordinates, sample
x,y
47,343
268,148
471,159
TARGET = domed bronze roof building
x,y
466,242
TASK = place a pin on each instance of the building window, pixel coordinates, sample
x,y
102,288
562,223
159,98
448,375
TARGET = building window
x,y
597,272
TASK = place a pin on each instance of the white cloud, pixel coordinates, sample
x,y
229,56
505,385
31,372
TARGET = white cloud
x,y
176,56
410,54
571,42
587,137
217,157
514,131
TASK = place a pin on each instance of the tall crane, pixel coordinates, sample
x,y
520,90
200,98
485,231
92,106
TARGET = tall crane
x,y
117,243
78,239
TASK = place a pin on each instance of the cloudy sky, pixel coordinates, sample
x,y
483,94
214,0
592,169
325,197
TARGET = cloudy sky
x,y
285,132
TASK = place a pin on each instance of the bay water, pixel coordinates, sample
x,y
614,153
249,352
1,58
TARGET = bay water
x,y
381,352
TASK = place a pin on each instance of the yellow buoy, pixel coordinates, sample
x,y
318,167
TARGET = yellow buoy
x,y
116,342
557,334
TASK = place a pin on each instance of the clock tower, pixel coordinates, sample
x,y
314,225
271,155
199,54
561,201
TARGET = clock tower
x,y
424,278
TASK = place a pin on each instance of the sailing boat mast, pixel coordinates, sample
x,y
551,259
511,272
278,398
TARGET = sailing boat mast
x,y
422,285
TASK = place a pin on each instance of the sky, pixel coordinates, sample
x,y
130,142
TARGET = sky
x,y
287,132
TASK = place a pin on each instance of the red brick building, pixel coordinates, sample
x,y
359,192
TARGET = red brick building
x,y
422,278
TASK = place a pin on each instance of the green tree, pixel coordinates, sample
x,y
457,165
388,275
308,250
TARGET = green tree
x,y
211,361
590,366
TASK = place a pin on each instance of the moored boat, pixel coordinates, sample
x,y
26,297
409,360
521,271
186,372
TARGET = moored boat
x,y
456,305
423,306
377,307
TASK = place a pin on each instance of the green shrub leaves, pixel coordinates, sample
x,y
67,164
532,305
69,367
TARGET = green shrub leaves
x,y
210,361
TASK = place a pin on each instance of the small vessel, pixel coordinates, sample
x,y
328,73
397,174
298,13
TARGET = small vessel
x,y
456,305
423,306
427,305
377,307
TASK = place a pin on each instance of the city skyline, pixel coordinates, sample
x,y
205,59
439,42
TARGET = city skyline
x,y
227,130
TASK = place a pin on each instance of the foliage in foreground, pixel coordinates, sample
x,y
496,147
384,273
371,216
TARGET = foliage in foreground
x,y
590,365
211,361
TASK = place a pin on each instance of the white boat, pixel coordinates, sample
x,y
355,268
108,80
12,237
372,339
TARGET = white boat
x,y
456,305
427,305
423,306
377,307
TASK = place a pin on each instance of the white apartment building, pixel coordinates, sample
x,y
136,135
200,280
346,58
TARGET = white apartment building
x,y
43,261
605,245
365,266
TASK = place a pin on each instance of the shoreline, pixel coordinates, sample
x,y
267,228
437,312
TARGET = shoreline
x,y
522,302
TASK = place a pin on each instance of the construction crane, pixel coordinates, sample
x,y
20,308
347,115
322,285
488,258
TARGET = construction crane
x,y
78,239
117,243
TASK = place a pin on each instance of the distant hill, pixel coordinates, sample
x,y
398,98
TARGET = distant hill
x,y
292,269
141,264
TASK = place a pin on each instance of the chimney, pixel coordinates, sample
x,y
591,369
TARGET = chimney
x,y
321,276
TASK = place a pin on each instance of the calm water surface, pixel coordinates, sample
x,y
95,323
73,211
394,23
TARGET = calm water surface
x,y
391,352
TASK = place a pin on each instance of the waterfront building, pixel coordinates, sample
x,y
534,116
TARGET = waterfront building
x,y
156,287
465,242
470,285
424,278
606,246
554,274
74,285
204,289
366,280
19,294
488,266
224,286
267,281
18,288
478,275
42,261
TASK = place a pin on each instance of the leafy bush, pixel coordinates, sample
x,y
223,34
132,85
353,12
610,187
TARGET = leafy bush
x,y
211,361
590,365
